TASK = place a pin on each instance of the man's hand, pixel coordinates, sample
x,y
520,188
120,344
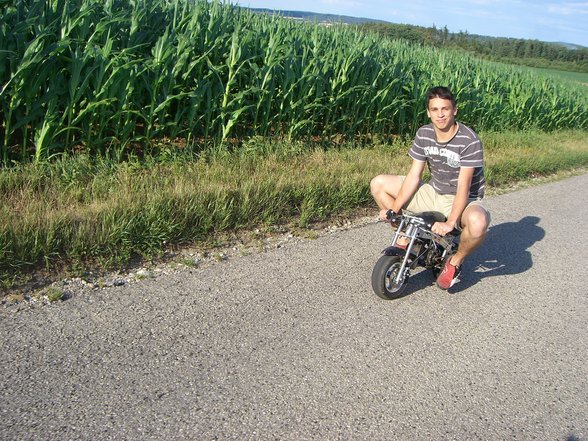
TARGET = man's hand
x,y
442,228
384,214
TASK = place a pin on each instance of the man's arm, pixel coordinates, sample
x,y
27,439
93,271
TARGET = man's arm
x,y
460,202
409,185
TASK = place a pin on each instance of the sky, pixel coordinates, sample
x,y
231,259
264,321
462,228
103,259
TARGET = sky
x,y
544,20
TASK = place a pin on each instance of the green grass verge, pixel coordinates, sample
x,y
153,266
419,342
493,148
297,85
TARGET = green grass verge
x,y
79,212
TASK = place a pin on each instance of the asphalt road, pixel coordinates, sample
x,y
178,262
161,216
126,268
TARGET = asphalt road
x,y
292,344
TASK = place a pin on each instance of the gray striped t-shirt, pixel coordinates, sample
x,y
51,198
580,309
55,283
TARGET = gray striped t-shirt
x,y
445,159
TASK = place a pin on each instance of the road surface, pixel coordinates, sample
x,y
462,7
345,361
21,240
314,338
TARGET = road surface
x,y
292,344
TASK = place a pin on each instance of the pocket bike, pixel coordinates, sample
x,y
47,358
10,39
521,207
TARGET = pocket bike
x,y
425,248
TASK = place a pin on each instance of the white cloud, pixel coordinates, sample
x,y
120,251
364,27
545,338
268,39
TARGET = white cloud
x,y
482,2
569,8
343,3
490,14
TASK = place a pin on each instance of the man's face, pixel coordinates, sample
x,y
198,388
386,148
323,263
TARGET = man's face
x,y
442,113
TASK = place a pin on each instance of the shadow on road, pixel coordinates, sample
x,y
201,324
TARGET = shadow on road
x,y
505,251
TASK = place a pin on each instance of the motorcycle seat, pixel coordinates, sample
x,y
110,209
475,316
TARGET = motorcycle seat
x,y
430,217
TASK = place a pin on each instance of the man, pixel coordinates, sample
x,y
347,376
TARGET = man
x,y
453,153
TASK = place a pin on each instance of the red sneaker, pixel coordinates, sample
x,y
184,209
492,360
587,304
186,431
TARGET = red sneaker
x,y
449,276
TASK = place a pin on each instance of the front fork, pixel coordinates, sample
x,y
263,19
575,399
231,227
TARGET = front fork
x,y
411,235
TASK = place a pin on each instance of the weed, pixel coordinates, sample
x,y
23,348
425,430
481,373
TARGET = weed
x,y
190,262
54,295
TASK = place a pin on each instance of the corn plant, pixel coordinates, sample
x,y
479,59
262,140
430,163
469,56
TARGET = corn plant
x,y
110,77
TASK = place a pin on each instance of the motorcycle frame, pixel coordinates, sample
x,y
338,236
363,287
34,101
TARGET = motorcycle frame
x,y
415,228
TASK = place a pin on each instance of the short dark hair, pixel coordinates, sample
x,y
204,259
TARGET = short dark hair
x,y
440,92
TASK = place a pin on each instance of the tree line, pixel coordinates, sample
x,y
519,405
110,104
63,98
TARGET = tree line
x,y
533,53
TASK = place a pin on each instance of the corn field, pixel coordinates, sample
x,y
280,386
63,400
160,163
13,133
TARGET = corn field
x,y
110,76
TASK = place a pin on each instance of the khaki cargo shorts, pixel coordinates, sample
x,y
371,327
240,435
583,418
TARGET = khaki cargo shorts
x,y
427,199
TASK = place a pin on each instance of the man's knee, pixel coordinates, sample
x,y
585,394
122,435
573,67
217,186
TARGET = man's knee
x,y
476,220
389,184
377,184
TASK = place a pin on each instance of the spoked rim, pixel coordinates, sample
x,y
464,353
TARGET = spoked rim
x,y
391,273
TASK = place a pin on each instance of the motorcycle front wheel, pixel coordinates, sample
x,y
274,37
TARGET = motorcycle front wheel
x,y
384,278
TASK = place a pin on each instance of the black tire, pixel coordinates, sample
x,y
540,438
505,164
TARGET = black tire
x,y
383,275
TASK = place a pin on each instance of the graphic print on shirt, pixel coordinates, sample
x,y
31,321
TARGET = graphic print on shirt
x,y
452,158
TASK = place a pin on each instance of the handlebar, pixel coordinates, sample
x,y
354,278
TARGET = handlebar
x,y
426,218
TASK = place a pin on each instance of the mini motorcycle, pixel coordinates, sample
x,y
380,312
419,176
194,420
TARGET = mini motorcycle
x,y
425,248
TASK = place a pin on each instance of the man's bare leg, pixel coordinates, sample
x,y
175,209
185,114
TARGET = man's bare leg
x,y
385,189
475,220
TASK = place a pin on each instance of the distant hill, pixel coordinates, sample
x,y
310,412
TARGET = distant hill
x,y
316,17
569,45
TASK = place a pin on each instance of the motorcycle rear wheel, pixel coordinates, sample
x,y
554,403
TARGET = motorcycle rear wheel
x,y
384,275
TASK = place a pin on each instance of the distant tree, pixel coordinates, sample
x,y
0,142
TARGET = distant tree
x,y
520,51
